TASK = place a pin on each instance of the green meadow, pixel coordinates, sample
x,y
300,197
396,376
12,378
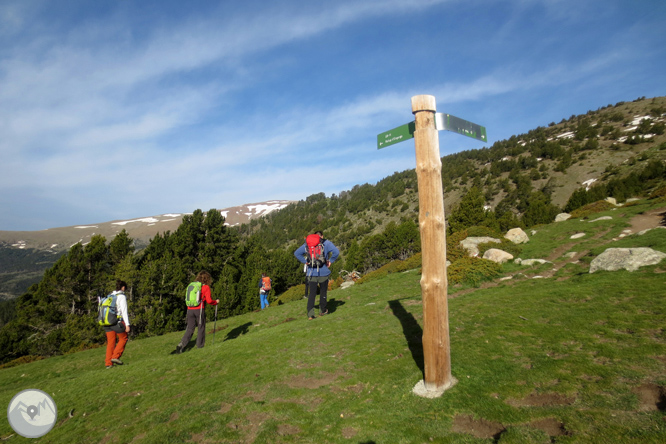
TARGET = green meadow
x,y
570,357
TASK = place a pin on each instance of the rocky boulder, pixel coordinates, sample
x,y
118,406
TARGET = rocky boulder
x,y
517,236
562,217
530,262
631,259
471,244
496,255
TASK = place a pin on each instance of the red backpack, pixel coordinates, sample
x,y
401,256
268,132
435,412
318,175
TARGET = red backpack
x,y
266,283
315,250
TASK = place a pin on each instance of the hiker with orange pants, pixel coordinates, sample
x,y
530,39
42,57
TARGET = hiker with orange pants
x,y
318,254
119,331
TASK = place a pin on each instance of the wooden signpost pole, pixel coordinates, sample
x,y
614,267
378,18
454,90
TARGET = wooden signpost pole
x,y
436,345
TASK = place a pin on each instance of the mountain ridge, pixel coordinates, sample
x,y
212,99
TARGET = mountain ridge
x,y
141,229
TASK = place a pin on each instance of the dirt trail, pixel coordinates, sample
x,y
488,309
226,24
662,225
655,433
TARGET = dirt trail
x,y
650,219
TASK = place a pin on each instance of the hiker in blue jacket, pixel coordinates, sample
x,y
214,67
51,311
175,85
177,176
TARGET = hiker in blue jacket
x,y
318,254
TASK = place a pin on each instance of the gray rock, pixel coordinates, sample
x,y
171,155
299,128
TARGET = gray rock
x,y
496,255
530,262
640,233
601,218
562,217
471,244
517,236
631,259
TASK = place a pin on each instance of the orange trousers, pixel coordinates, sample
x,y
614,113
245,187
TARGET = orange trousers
x,y
114,350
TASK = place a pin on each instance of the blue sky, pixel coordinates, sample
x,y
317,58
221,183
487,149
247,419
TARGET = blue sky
x,y
123,109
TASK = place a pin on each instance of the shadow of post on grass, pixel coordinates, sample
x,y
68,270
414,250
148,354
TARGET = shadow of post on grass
x,y
412,331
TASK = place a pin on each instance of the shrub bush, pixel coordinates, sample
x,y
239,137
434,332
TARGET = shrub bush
x,y
22,360
293,294
391,267
594,207
658,193
453,249
410,263
472,271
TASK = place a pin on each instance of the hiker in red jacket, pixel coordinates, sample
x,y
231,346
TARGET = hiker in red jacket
x,y
196,315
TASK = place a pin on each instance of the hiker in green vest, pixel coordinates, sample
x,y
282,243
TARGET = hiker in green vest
x,y
198,294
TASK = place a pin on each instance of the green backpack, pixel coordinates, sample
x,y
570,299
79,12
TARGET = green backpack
x,y
193,294
107,313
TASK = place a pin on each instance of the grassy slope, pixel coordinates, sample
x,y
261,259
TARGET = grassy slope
x,y
560,358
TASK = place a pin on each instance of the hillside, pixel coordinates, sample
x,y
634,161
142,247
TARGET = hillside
x,y
579,152
553,354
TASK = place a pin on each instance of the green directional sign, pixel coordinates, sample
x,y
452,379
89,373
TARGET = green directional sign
x,y
396,135
457,125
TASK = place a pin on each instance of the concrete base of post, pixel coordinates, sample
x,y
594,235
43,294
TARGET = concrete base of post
x,y
432,392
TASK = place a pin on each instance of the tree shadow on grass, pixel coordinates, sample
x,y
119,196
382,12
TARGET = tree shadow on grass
x,y
412,331
240,330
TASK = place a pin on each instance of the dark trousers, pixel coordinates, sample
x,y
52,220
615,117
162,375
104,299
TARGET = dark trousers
x,y
313,283
195,318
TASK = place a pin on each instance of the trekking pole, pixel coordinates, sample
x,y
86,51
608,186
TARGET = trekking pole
x,y
215,324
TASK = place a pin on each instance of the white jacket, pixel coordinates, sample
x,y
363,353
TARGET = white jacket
x,y
121,306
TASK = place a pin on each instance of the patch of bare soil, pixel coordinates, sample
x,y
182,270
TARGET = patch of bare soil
x,y
542,400
650,219
479,428
139,437
357,388
197,438
349,432
551,426
256,397
224,408
559,251
288,429
251,427
651,397
413,302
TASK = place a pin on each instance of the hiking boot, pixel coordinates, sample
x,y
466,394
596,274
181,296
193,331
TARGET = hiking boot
x,y
324,313
109,366
179,349
117,361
